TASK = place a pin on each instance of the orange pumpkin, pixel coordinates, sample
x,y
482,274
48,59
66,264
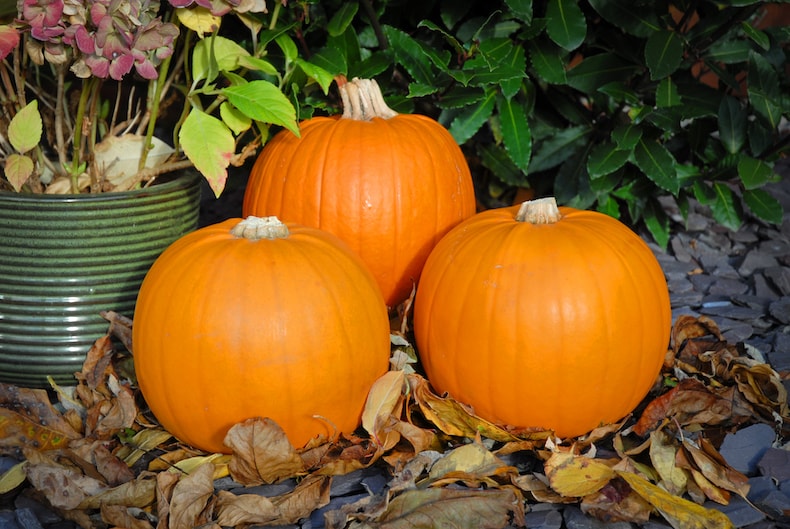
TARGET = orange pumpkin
x,y
389,185
543,317
258,318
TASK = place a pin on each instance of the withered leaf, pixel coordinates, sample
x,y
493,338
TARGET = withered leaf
x,y
575,475
456,508
139,492
688,402
252,509
142,442
451,417
63,487
715,468
165,484
761,385
119,516
469,463
97,361
27,418
383,398
262,453
13,477
616,502
190,497
679,512
662,454
112,469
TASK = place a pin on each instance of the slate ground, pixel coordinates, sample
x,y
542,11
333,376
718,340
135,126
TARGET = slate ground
x,y
740,279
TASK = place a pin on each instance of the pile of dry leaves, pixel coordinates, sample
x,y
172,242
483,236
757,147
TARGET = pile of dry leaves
x,y
99,459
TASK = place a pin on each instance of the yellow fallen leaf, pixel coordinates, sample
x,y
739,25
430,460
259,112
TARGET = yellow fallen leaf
x,y
142,442
662,455
679,512
188,465
575,475
469,462
13,477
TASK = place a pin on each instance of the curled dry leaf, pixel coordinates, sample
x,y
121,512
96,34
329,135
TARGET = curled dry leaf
x,y
119,516
252,509
262,453
471,464
190,497
383,399
459,509
140,493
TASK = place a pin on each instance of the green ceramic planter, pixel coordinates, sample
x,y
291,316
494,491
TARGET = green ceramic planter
x,y
65,258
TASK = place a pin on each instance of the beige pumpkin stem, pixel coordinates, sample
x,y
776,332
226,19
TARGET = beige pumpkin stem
x,y
539,211
257,228
362,100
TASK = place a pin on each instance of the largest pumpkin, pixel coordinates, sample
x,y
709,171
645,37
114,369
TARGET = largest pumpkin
x,y
389,185
257,318
544,317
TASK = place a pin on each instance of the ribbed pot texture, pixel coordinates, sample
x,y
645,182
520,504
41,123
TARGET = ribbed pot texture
x,y
66,258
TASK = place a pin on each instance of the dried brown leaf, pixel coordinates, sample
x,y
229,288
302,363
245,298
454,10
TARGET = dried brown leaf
x,y
119,516
140,492
165,484
97,361
28,419
142,442
616,502
113,470
715,468
761,385
190,497
679,512
688,402
64,488
453,418
456,508
383,399
262,453
252,509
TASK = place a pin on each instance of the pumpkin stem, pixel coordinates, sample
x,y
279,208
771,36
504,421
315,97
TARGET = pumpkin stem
x,y
256,228
362,100
539,211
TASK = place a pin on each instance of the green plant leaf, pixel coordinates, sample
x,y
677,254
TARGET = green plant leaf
x,y
522,9
760,135
469,120
460,96
756,36
25,128
728,51
597,70
547,61
234,118
627,135
262,101
605,158
764,205
630,16
496,160
288,47
732,124
515,132
558,147
658,164
331,60
754,173
764,91
259,65
725,208
208,144
667,94
215,52
621,93
566,24
342,18
321,76
657,223
409,53
663,53
18,168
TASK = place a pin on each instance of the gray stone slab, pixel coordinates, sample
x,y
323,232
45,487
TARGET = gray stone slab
x,y
744,448
775,463
738,511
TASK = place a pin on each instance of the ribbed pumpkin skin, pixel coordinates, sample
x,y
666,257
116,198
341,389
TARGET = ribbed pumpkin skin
x,y
560,326
228,329
390,188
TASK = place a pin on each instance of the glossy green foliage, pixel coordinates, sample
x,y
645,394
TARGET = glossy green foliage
x,y
606,104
